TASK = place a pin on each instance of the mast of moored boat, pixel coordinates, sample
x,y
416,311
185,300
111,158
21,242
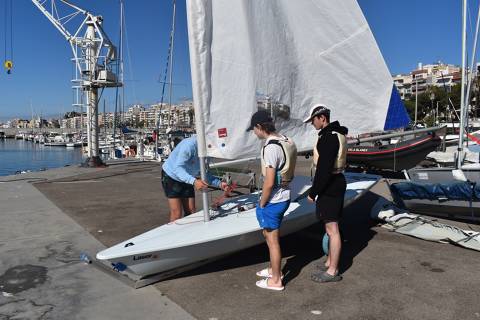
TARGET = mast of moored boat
x,y
462,98
470,77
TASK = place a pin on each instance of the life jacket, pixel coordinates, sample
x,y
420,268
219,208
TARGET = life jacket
x,y
286,171
341,161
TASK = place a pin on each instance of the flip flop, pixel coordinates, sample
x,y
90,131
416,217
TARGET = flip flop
x,y
265,274
264,285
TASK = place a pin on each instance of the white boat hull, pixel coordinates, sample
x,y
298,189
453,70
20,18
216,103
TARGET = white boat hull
x,y
189,241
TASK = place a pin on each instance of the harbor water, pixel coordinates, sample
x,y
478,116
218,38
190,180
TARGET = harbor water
x,y
19,155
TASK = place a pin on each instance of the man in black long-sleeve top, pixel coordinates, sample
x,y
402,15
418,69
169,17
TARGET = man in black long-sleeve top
x,y
329,185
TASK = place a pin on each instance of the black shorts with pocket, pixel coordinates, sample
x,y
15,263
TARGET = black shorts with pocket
x,y
176,189
330,204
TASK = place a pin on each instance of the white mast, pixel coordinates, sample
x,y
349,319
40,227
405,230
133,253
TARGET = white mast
x,y
199,99
462,99
472,66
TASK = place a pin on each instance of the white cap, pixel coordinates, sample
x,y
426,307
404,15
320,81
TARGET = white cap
x,y
317,110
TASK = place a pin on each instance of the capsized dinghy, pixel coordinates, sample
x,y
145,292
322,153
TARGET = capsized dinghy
x,y
188,242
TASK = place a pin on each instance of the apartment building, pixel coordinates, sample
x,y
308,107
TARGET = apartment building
x,y
425,76
76,122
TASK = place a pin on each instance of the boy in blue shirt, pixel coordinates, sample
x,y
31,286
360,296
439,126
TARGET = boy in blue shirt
x,y
179,178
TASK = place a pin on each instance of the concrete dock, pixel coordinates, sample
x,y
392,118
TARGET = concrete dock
x,y
48,218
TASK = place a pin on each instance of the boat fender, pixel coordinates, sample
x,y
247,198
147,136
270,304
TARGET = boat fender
x,y
325,242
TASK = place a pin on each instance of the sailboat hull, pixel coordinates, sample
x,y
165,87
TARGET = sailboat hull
x,y
187,242
395,157
452,209
442,206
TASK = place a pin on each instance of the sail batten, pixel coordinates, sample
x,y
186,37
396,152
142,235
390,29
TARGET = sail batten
x,y
282,56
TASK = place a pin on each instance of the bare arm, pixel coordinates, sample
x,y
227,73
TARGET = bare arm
x,y
268,183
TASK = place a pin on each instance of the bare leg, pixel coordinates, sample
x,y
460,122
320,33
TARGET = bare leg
x,y
334,248
175,205
327,262
275,257
188,205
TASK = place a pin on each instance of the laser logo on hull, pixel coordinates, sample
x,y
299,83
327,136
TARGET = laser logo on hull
x,y
146,256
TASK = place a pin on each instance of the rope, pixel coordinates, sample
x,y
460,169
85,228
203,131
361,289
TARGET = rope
x,y
5,31
217,202
11,30
8,37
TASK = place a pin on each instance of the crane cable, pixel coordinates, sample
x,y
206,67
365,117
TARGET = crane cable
x,y
8,64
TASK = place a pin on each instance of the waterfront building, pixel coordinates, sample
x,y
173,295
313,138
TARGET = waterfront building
x,y
20,123
425,76
75,122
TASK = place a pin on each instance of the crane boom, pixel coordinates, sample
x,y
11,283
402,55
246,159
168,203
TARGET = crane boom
x,y
94,56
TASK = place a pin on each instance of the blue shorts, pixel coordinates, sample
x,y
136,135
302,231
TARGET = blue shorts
x,y
270,217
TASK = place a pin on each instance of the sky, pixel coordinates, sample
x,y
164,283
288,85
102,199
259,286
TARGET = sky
x,y
407,32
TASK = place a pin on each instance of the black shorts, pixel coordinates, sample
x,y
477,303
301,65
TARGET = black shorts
x,y
330,203
176,189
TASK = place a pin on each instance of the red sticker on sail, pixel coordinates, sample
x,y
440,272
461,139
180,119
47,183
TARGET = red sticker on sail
x,y
222,133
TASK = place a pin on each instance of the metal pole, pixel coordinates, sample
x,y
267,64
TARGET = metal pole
x,y
119,67
105,123
462,99
200,101
416,99
472,65
171,63
433,109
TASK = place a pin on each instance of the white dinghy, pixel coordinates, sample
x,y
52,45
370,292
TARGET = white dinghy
x,y
281,56
187,242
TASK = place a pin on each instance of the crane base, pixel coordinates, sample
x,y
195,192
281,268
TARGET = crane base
x,y
93,162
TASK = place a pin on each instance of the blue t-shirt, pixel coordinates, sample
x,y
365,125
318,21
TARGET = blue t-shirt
x,y
183,163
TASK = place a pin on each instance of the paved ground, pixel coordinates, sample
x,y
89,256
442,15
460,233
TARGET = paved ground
x,y
41,276
386,275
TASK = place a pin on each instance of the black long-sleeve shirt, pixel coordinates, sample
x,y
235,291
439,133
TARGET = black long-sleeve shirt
x,y
327,147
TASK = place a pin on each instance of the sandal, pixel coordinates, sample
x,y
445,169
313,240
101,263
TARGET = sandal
x,y
264,273
321,267
325,277
264,285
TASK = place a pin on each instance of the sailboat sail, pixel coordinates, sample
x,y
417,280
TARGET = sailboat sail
x,y
397,116
283,56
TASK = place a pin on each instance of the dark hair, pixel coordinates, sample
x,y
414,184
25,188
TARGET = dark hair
x,y
268,127
326,115
176,141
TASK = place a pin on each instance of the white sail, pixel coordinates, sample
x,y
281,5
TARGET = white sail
x,y
249,54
